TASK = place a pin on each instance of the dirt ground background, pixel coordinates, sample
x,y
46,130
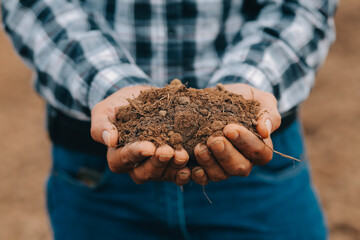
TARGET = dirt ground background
x,y
331,124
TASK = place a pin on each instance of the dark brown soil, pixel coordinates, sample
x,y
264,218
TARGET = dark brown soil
x,y
183,117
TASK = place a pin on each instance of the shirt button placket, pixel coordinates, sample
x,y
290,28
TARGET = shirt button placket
x,y
174,56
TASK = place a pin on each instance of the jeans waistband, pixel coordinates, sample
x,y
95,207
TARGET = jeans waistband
x,y
75,134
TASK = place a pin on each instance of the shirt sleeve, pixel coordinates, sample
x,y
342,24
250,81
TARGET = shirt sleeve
x,y
76,56
279,49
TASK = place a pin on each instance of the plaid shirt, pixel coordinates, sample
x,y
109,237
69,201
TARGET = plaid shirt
x,y
84,50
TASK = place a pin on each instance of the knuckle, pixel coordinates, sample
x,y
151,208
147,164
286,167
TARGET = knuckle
x,y
126,161
177,167
246,173
218,177
255,155
256,150
117,165
244,170
113,166
267,158
158,164
141,177
148,176
204,162
138,181
239,169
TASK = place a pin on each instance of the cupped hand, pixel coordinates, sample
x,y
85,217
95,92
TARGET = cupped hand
x,y
237,152
141,160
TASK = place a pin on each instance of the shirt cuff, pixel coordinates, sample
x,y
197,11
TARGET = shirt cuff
x,y
112,79
241,73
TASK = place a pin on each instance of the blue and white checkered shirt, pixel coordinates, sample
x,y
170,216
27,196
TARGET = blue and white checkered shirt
x,y
84,50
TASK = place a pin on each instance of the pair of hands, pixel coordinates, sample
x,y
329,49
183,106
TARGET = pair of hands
x,y
222,157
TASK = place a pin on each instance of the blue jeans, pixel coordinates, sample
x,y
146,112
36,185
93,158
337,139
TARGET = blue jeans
x,y
277,201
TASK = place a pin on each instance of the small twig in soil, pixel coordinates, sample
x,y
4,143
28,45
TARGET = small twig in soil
x,y
159,100
168,98
134,105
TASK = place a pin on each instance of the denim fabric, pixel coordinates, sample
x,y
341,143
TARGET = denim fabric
x,y
277,201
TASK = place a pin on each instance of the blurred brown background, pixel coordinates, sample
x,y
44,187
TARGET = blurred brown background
x,y
331,122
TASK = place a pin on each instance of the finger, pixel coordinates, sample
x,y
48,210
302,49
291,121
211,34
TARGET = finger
x,y
123,159
181,157
154,167
212,168
102,128
179,161
233,162
249,145
199,176
270,118
183,177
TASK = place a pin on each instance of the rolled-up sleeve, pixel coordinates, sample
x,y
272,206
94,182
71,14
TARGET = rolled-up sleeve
x,y
76,56
280,48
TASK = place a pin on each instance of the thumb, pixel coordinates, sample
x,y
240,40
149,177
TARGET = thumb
x,y
102,128
268,122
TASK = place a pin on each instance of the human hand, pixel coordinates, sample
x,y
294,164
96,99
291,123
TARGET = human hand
x,y
141,160
237,152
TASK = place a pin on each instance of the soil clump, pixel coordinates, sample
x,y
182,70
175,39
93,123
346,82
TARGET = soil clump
x,y
183,117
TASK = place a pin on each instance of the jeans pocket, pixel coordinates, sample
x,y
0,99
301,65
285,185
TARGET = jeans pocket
x,y
81,171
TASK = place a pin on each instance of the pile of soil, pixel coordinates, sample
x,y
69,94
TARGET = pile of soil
x,y
183,117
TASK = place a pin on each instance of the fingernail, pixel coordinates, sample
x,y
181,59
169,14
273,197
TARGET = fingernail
x,y
165,158
147,154
232,135
106,138
217,146
199,173
179,161
183,176
268,126
204,155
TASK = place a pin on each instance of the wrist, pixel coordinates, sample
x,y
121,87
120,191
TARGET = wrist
x,y
112,79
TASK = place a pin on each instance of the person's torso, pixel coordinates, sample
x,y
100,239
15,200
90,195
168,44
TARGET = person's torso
x,y
175,38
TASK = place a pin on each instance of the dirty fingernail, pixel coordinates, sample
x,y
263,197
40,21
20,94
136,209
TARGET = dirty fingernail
x,y
106,138
179,161
183,176
268,126
217,146
204,154
147,154
232,135
165,158
199,173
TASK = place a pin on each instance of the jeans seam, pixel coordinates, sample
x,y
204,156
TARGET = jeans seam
x,y
181,214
